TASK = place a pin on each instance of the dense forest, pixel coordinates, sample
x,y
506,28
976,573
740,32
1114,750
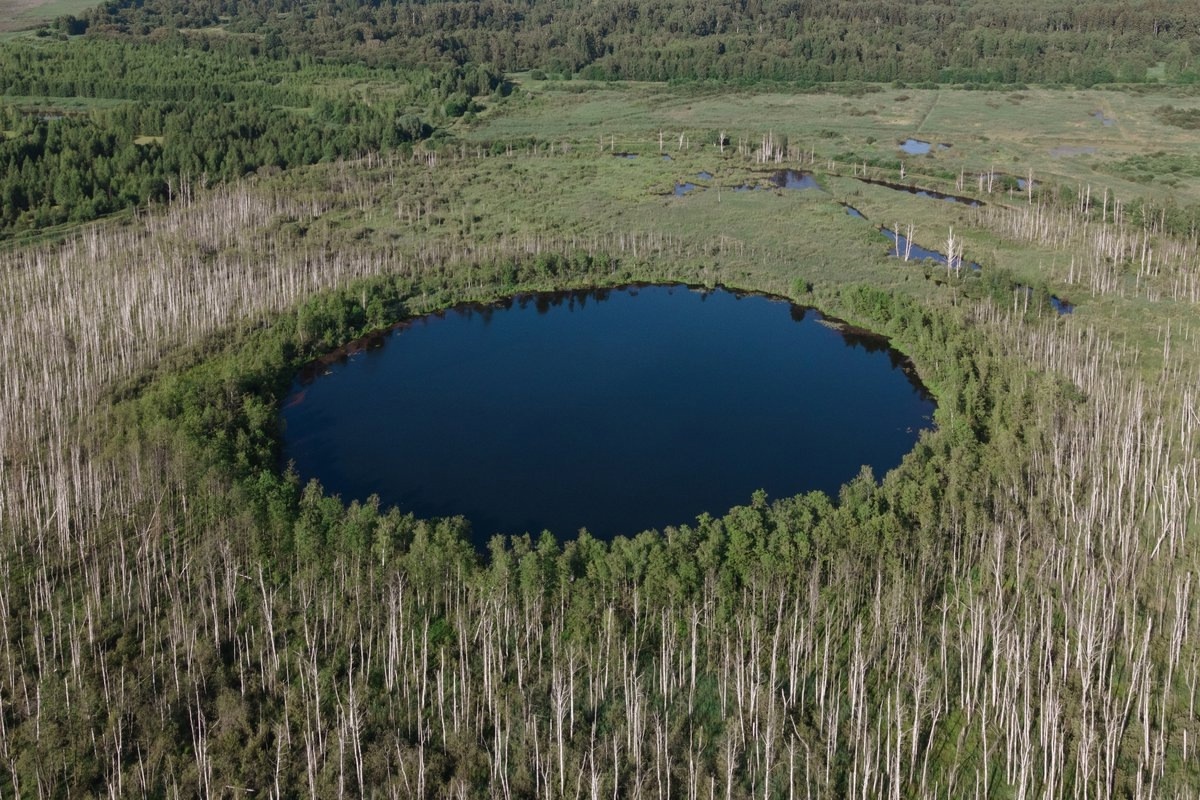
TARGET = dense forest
x,y
168,111
1010,613
221,90
783,40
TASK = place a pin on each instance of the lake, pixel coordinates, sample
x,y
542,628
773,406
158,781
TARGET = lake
x,y
618,410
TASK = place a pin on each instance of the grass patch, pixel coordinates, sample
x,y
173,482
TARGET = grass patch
x,y
60,105
1155,166
1010,132
16,15
1186,118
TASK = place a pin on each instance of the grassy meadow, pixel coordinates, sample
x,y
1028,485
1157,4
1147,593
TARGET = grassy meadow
x,y
1011,132
18,15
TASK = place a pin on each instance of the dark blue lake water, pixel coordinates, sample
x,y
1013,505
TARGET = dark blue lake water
x,y
616,410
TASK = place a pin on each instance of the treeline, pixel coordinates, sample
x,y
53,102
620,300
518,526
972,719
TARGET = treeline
x,y
169,110
791,40
281,84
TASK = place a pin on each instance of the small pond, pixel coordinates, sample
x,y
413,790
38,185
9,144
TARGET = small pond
x,y
901,245
794,179
928,194
918,147
1061,307
618,410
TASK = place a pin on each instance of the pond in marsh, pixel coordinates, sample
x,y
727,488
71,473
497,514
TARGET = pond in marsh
x,y
928,194
1061,306
794,179
919,147
903,247
618,410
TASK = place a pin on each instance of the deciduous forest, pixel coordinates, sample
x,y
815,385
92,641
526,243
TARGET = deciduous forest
x,y
197,200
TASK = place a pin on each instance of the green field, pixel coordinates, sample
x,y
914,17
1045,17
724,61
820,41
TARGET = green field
x,y
18,15
1012,132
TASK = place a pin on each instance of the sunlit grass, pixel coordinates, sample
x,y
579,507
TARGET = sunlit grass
x,y
16,15
1012,132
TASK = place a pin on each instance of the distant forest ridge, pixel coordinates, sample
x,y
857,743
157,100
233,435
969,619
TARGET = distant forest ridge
x,y
1060,41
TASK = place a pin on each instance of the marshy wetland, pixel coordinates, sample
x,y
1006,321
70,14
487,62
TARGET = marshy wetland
x,y
183,613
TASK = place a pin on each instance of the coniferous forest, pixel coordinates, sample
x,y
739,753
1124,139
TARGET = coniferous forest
x,y
198,200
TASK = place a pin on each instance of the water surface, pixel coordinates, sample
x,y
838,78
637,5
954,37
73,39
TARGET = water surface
x,y
919,147
902,245
928,194
616,410
794,179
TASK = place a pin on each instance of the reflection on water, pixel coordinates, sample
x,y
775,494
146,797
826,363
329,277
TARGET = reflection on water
x,y
903,248
618,410
794,179
919,147
929,194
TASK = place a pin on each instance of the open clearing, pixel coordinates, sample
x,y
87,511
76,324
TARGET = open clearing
x,y
1012,132
18,15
